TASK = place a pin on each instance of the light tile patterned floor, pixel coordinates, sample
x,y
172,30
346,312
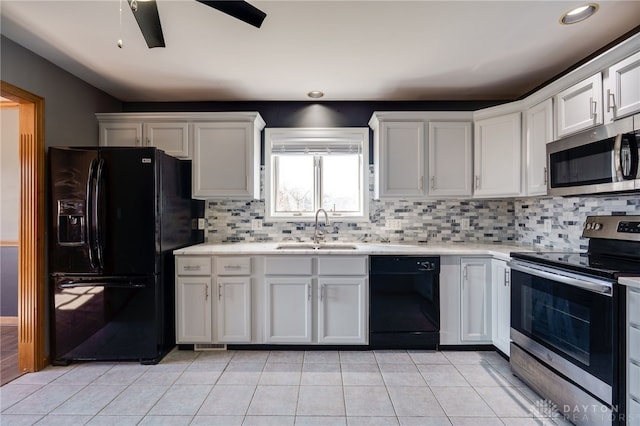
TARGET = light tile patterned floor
x,y
279,388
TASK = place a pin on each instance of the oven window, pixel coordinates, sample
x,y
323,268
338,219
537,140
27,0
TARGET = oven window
x,y
572,322
559,322
583,165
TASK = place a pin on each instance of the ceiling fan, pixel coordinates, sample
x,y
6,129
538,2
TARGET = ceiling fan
x,y
146,14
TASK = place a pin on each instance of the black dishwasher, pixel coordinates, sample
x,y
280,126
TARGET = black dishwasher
x,y
404,302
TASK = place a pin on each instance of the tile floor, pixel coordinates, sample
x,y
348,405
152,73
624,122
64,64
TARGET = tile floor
x,y
279,388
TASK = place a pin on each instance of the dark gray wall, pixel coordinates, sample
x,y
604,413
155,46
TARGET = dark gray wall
x,y
8,281
70,103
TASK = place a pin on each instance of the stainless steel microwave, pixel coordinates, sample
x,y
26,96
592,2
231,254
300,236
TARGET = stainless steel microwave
x,y
600,160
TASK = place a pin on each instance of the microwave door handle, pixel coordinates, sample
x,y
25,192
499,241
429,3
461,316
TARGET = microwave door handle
x,y
589,284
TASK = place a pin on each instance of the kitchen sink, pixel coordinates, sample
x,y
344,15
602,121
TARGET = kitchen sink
x,y
319,246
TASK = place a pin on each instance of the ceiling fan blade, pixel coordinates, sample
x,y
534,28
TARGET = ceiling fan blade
x,y
238,9
146,14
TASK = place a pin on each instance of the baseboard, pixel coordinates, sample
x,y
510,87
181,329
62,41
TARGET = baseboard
x,y
8,320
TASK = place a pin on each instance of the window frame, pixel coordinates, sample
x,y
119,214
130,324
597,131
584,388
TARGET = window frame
x,y
311,136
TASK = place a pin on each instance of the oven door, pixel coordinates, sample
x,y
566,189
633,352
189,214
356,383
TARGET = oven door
x,y
566,320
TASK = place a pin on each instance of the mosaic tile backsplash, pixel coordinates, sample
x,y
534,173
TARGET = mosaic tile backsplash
x,y
550,222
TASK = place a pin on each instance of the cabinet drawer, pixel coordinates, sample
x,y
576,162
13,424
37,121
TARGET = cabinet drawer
x,y
192,265
634,344
342,265
634,380
284,265
233,265
634,306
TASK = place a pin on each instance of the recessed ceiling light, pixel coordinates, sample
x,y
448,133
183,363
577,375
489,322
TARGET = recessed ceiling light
x,y
315,94
579,14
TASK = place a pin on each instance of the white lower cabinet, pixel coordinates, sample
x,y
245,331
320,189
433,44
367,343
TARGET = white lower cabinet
x,y
213,299
475,300
288,310
194,307
501,305
234,309
313,299
193,311
233,301
465,300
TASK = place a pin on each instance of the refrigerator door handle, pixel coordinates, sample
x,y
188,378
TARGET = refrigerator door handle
x,y
96,207
91,228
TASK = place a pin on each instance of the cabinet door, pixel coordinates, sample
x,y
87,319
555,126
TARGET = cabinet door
x,y
234,309
622,95
223,163
579,107
193,310
501,305
450,300
342,311
172,138
288,310
400,155
449,159
497,156
475,309
539,134
120,134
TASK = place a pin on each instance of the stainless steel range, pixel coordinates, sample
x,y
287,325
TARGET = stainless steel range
x,y
566,311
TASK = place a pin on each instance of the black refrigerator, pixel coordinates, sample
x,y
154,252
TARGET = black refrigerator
x,y
117,214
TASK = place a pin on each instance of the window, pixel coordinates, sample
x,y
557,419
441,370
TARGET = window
x,y
308,169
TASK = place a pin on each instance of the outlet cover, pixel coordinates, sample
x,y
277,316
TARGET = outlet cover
x,y
256,224
547,226
202,223
464,224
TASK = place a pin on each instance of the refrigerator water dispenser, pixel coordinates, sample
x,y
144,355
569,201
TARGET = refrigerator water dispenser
x,y
71,223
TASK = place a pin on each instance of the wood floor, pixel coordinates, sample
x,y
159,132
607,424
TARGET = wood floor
x,y
8,354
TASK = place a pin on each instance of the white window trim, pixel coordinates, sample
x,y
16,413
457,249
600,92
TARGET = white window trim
x,y
312,134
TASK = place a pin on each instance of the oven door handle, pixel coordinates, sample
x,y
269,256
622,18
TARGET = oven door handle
x,y
591,284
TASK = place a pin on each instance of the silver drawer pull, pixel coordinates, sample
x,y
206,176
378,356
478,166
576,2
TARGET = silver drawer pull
x,y
192,267
232,267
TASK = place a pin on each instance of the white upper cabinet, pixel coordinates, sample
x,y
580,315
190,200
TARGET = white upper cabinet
x,y
226,158
120,133
622,88
450,158
134,131
539,134
579,107
172,138
497,156
398,157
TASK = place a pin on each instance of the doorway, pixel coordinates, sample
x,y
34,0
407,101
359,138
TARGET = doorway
x,y
32,305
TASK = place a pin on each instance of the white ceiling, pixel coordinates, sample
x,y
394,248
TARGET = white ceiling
x,y
351,50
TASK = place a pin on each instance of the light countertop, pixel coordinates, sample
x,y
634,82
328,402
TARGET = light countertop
x,y
630,281
501,251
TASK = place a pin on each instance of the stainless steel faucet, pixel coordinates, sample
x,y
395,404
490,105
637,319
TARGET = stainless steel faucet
x,y
318,235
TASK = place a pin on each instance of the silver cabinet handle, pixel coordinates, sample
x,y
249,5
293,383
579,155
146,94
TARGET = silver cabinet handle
x,y
321,292
546,178
206,292
477,181
433,183
191,267
421,182
309,292
219,291
594,107
611,100
506,278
